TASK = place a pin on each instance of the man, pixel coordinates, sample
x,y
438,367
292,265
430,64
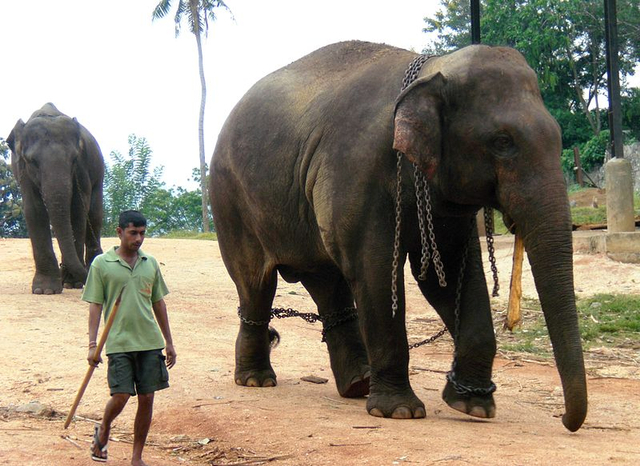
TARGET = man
x,y
135,342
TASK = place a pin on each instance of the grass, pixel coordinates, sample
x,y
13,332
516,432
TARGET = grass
x,y
605,320
181,234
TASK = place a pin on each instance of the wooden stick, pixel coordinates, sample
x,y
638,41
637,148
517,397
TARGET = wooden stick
x,y
514,315
96,358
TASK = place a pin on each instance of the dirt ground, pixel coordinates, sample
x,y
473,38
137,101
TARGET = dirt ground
x,y
204,418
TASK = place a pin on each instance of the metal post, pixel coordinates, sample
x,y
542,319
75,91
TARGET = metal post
x,y
475,21
613,81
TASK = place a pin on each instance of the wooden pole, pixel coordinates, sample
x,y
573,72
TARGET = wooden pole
x,y
96,358
578,164
514,315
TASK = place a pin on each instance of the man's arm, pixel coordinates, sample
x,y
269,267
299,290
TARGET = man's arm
x,y
95,312
160,310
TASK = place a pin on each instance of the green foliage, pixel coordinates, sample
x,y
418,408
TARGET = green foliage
x,y
131,184
12,222
563,41
631,113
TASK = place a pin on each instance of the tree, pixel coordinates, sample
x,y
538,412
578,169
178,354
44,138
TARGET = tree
x,y
563,41
12,222
198,13
129,183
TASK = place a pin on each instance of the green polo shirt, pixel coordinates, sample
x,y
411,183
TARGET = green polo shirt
x,y
134,327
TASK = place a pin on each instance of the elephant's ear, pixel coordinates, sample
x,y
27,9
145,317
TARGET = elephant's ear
x,y
418,132
14,139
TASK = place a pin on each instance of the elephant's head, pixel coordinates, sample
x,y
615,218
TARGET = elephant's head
x,y
476,124
45,154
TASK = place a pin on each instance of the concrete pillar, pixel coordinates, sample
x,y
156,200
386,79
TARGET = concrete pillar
x,y
619,184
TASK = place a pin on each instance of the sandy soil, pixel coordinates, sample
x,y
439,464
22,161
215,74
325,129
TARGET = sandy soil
x,y
204,418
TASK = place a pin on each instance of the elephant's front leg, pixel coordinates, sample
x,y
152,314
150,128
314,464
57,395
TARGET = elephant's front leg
x,y
385,337
47,277
469,388
79,209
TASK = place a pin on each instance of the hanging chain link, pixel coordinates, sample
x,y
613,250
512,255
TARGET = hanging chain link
x,y
489,228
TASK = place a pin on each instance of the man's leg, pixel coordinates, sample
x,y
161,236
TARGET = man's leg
x,y
141,427
114,407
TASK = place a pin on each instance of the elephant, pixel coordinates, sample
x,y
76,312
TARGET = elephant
x,y
314,178
60,171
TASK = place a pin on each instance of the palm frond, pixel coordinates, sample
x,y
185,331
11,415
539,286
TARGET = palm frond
x,y
161,10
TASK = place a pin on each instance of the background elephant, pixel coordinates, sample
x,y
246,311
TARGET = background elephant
x,y
60,170
303,183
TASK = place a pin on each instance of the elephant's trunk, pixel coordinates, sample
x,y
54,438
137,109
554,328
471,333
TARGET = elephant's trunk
x,y
548,242
58,201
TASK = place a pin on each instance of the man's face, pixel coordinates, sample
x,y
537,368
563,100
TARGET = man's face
x,y
131,238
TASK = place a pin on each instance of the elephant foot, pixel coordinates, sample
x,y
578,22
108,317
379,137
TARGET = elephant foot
x,y
44,284
73,285
476,406
358,387
253,366
265,378
405,405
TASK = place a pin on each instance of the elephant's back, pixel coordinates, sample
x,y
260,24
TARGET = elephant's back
x,y
330,90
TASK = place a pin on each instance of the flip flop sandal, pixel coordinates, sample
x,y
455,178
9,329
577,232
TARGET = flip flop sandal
x,y
96,444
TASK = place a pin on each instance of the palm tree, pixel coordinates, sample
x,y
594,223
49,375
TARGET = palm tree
x,y
198,13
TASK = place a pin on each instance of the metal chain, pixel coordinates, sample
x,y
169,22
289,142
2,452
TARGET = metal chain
x,y
396,239
463,390
329,321
489,228
431,339
421,185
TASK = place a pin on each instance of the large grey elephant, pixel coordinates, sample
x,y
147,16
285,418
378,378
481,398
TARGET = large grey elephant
x,y
60,171
303,184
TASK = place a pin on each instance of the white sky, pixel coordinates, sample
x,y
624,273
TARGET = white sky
x,y
118,72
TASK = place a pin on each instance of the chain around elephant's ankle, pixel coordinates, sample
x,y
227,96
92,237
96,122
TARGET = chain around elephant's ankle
x,y
467,391
256,323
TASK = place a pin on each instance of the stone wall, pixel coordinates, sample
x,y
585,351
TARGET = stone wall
x,y
631,153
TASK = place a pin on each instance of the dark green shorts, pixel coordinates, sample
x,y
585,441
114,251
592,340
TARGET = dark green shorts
x,y
142,372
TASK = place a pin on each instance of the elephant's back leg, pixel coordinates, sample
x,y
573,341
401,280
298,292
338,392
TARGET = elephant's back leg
x,y
347,352
255,278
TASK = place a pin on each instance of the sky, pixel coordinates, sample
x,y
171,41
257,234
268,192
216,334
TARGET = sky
x,y
118,73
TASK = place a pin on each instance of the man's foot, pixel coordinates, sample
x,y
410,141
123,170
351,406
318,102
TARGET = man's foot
x,y
98,450
138,463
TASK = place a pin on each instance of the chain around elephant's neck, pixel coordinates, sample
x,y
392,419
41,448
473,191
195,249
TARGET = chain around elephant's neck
x,y
425,218
423,204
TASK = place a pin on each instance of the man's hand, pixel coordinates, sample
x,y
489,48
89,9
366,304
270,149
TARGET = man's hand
x,y
91,356
171,356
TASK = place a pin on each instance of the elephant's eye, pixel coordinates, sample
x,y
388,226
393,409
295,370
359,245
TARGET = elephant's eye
x,y
503,145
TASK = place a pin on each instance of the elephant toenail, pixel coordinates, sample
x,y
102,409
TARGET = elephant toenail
x,y
402,413
420,413
252,382
38,291
269,383
478,411
459,406
376,412
48,291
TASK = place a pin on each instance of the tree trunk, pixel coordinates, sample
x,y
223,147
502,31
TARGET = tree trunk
x,y
203,84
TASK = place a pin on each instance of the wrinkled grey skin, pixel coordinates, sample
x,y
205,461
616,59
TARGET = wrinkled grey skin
x,y
60,170
303,183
